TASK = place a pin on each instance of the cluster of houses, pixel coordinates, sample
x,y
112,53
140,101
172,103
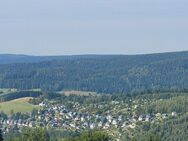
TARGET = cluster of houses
x,y
58,116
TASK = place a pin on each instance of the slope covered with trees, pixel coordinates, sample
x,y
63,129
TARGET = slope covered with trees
x,y
102,74
10,58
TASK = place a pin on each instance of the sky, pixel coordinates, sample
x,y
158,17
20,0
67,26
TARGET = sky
x,y
68,27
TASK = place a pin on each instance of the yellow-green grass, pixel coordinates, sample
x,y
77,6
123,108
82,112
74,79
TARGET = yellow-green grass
x,y
17,105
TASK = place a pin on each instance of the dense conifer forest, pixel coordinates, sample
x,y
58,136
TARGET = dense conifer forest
x,y
102,74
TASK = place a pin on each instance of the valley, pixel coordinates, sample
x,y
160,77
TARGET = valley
x,y
118,115
117,97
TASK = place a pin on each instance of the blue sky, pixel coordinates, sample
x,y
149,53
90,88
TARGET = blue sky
x,y
63,27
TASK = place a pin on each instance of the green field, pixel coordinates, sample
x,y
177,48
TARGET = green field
x,y
18,105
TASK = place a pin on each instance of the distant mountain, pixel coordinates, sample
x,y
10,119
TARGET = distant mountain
x,y
11,58
99,73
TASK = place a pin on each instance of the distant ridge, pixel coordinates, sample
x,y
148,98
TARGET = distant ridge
x,y
20,58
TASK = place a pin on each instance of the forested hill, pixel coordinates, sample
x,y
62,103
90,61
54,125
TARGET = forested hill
x,y
11,58
103,74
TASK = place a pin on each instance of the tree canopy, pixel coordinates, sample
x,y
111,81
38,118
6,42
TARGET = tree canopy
x,y
102,74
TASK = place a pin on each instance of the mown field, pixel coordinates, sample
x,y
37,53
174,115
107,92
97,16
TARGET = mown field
x,y
78,93
17,105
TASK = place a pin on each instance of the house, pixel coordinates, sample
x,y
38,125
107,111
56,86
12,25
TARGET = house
x,y
164,116
114,122
148,117
42,104
141,117
132,126
106,126
92,125
174,114
158,115
109,118
100,124
120,118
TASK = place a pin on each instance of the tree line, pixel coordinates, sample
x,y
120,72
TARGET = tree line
x,y
19,94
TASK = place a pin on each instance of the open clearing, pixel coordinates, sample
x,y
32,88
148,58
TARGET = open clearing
x,y
4,91
18,105
79,93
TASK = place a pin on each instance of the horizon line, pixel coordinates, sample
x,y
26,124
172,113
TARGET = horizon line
x,y
94,54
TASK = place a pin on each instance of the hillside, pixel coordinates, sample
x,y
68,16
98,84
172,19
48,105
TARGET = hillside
x,y
16,58
11,58
99,73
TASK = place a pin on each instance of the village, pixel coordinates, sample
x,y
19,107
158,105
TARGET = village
x,y
58,116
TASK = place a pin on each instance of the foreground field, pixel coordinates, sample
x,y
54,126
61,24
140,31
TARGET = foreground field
x,y
17,105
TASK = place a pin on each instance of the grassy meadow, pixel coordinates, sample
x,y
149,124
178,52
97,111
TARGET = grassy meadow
x,y
18,105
